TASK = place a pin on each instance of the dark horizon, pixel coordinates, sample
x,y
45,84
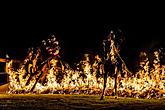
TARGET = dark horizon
x,y
79,39
80,31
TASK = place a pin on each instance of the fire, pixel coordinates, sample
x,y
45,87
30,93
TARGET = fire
x,y
87,78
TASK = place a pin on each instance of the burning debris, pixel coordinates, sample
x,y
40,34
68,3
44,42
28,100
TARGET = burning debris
x,y
43,71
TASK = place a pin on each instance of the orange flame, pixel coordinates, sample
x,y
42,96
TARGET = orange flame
x,y
148,82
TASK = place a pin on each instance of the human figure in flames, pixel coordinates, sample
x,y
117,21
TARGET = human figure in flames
x,y
113,62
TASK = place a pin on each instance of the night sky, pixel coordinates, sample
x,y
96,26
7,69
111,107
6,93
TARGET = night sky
x,y
80,29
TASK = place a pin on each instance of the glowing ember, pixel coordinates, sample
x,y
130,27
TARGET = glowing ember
x,y
42,73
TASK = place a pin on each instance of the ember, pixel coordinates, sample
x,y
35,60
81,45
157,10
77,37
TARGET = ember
x,y
43,71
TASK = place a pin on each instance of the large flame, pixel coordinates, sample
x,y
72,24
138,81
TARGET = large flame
x,y
87,78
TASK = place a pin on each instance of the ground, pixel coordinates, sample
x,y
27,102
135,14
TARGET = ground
x,y
72,102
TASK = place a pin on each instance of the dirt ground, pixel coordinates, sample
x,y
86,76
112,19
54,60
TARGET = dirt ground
x,y
74,102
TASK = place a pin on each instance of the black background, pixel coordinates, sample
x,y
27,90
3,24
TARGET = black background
x,y
80,27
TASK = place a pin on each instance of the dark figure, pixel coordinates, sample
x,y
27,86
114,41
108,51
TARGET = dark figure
x,y
112,60
34,62
50,51
27,64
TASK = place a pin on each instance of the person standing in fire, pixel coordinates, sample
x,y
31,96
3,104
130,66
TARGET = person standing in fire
x,y
112,60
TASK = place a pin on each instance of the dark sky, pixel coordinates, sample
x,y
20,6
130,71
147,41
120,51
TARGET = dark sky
x,y
80,29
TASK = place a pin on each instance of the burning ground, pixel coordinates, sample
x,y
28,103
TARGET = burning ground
x,y
52,75
44,80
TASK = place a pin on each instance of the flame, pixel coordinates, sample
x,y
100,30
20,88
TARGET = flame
x,y
87,78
